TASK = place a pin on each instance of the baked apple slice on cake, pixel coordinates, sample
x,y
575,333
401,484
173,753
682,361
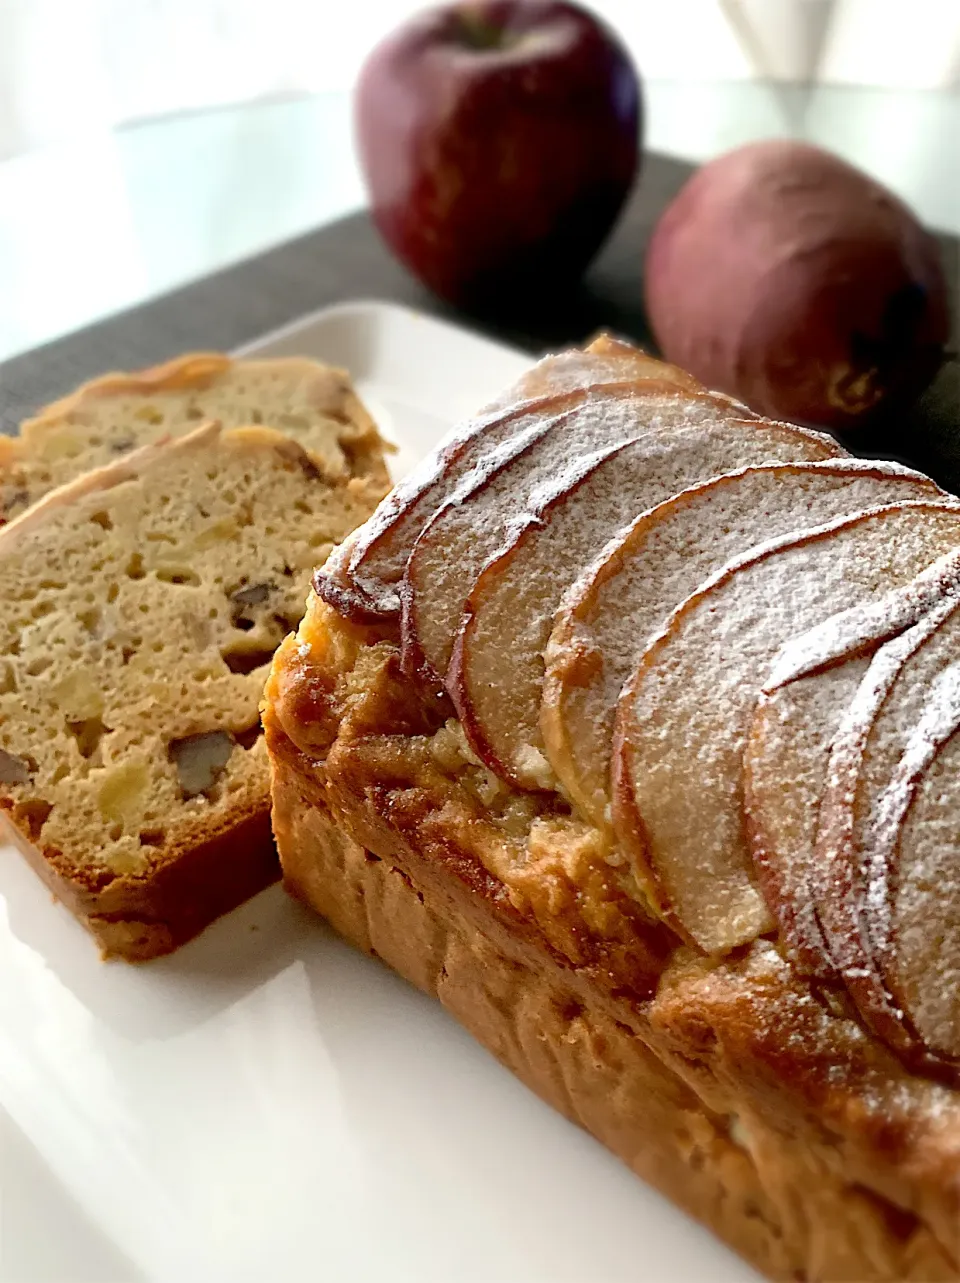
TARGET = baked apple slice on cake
x,y
912,857
474,524
884,884
784,774
889,912
496,673
360,579
605,360
810,727
811,733
683,717
610,614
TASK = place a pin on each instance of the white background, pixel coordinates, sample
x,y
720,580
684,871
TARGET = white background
x,y
70,67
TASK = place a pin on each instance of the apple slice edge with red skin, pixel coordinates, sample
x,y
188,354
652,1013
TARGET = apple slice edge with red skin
x,y
853,897
416,662
355,582
349,580
653,468
892,627
413,656
631,824
647,395
585,665
455,681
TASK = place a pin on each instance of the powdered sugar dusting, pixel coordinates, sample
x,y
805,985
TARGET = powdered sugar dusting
x,y
940,720
511,611
836,883
924,969
369,573
785,769
600,364
686,712
860,626
378,551
622,600
508,490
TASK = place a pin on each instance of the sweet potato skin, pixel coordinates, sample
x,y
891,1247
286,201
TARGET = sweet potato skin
x,y
788,278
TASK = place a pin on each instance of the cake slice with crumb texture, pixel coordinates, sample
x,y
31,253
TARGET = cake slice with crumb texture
x,y
108,417
142,604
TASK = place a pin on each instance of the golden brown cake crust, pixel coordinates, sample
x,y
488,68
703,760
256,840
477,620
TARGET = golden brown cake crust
x,y
142,918
752,1099
107,416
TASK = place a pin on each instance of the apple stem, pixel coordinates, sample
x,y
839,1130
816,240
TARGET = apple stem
x,y
477,32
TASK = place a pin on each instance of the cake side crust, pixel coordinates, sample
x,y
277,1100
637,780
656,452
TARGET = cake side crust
x,y
777,1195
786,1066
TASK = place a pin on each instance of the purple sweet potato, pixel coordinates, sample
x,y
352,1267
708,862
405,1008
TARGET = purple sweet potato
x,y
786,277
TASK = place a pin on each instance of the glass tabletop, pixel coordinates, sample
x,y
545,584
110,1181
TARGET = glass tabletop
x,y
102,224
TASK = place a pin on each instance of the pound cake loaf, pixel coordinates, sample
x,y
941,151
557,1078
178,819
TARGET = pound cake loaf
x,y
312,403
142,604
626,727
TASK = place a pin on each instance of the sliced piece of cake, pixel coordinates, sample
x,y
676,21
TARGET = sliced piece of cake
x,y
314,404
142,604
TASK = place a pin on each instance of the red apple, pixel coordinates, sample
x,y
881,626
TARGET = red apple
x,y
499,140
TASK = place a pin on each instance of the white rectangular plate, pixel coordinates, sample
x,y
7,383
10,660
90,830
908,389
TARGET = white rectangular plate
x,y
269,1105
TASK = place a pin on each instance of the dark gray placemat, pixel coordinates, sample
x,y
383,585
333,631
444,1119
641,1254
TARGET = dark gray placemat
x,y
347,260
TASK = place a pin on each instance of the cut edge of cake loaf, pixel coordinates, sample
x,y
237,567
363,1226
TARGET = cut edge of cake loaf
x,y
109,416
143,603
